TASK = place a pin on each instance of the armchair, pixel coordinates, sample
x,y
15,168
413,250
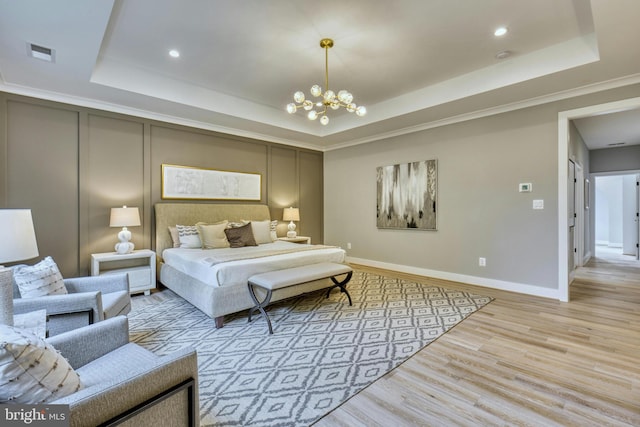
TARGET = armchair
x,y
90,299
122,381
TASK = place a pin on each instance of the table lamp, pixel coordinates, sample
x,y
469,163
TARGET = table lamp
x,y
124,217
291,214
18,244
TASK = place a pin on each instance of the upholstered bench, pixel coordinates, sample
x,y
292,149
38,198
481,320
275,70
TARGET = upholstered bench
x,y
279,279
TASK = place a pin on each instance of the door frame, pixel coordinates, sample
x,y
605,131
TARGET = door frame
x,y
579,236
563,175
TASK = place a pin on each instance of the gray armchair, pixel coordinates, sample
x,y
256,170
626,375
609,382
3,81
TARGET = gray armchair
x,y
124,382
90,299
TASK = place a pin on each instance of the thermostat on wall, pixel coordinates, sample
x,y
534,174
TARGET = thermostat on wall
x,y
525,187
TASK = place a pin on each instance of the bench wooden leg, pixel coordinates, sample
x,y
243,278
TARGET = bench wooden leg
x,y
341,285
260,305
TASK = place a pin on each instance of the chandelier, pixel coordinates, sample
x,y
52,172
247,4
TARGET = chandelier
x,y
328,99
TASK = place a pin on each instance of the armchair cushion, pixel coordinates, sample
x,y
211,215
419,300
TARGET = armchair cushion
x,y
32,371
100,370
116,303
39,280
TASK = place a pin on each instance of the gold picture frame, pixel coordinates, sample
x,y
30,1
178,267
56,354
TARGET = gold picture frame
x,y
192,183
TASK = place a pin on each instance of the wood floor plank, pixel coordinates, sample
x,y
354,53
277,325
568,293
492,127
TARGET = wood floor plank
x,y
521,361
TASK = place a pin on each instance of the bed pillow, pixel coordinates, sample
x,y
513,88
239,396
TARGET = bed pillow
x,y
189,237
175,237
39,280
212,235
273,230
31,370
261,231
239,237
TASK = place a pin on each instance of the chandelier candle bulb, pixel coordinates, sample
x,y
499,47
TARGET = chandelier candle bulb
x,y
329,99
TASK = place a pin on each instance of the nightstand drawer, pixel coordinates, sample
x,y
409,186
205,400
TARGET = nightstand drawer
x,y
139,277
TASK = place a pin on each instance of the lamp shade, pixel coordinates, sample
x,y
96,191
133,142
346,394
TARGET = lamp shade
x,y
17,235
291,214
17,243
124,217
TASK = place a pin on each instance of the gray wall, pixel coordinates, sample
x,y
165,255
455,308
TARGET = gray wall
x,y
71,164
480,211
615,159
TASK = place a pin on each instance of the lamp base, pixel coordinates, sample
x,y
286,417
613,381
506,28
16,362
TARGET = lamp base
x,y
124,246
292,230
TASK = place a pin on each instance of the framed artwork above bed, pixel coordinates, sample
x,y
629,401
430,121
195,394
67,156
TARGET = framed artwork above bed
x,y
406,195
184,182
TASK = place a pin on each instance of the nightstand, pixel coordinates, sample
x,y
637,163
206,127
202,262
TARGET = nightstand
x,y
298,239
140,265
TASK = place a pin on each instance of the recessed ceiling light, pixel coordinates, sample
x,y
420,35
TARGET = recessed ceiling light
x,y
174,53
500,31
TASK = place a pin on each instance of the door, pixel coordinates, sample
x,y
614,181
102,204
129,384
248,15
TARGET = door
x,y
571,217
578,251
637,217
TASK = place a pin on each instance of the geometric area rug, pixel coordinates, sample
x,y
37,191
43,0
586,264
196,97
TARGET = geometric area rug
x,y
322,352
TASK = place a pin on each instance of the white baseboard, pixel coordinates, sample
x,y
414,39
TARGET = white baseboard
x,y
462,278
586,258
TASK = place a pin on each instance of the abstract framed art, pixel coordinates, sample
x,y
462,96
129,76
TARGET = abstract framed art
x,y
183,182
406,195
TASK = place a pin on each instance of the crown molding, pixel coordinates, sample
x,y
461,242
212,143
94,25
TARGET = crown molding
x,y
531,102
121,109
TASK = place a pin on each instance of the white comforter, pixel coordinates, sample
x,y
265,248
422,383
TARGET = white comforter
x,y
199,263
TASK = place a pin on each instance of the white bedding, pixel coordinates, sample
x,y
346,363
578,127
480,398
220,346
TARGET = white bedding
x,y
198,262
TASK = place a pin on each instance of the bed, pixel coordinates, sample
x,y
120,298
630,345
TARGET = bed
x,y
215,281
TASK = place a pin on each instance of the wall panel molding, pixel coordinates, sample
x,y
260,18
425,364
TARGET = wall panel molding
x,y
116,158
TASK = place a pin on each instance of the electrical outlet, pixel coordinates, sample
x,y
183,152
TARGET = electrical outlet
x,y
482,262
348,245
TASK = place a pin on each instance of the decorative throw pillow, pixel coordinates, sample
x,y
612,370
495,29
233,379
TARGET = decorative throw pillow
x,y
188,236
31,370
261,231
239,237
212,235
273,230
175,237
39,280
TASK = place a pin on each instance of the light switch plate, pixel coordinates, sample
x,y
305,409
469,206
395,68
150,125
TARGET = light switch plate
x,y
525,187
538,204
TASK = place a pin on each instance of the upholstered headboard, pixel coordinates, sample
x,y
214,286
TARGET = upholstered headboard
x,y
171,214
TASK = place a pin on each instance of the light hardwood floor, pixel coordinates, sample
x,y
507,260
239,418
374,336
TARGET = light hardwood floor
x,y
521,360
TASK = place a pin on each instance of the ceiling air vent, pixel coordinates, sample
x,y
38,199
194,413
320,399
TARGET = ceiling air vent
x,y
41,52
616,144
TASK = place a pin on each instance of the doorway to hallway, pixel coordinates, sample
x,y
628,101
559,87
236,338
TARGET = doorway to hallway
x,y
617,229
